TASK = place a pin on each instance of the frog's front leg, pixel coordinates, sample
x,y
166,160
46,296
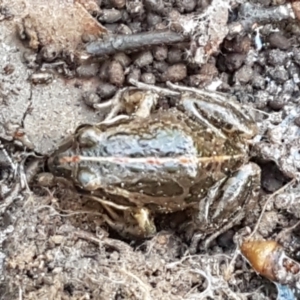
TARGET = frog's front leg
x,y
228,202
130,100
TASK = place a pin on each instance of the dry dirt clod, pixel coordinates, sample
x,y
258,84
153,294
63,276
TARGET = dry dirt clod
x,y
118,3
175,73
87,70
90,98
238,44
160,52
134,74
106,90
123,59
123,29
234,61
148,78
116,73
186,5
110,16
278,40
243,75
103,71
154,5
143,59
174,56
153,20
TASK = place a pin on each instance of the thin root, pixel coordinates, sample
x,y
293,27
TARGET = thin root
x,y
266,204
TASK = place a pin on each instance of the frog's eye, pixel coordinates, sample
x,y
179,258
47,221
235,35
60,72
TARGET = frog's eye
x,y
88,180
88,136
228,128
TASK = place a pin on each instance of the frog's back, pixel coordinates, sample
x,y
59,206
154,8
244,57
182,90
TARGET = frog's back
x,y
164,147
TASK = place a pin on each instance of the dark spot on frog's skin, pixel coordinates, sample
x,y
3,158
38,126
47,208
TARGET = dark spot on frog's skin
x,y
209,167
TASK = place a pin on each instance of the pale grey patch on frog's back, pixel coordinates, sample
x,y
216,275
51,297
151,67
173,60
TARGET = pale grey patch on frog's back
x,y
141,151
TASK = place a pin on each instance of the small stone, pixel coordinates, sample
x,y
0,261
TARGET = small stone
x,y
135,9
238,45
45,179
103,70
288,87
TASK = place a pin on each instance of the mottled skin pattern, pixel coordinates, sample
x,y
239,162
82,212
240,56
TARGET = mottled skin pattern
x,y
192,156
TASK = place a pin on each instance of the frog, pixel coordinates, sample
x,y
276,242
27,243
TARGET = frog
x,y
141,162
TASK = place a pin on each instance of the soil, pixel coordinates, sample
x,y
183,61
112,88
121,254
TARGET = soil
x,y
55,244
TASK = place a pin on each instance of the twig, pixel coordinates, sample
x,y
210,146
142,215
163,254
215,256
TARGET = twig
x,y
133,42
145,287
249,15
11,196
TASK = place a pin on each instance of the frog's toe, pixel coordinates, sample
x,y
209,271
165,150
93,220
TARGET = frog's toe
x,y
115,103
145,222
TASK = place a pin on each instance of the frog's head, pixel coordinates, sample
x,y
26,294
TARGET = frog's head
x,y
72,158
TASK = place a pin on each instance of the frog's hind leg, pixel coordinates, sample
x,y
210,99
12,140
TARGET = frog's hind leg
x,y
228,202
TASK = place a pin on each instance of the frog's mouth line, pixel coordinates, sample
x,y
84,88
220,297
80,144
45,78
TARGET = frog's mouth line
x,y
184,160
